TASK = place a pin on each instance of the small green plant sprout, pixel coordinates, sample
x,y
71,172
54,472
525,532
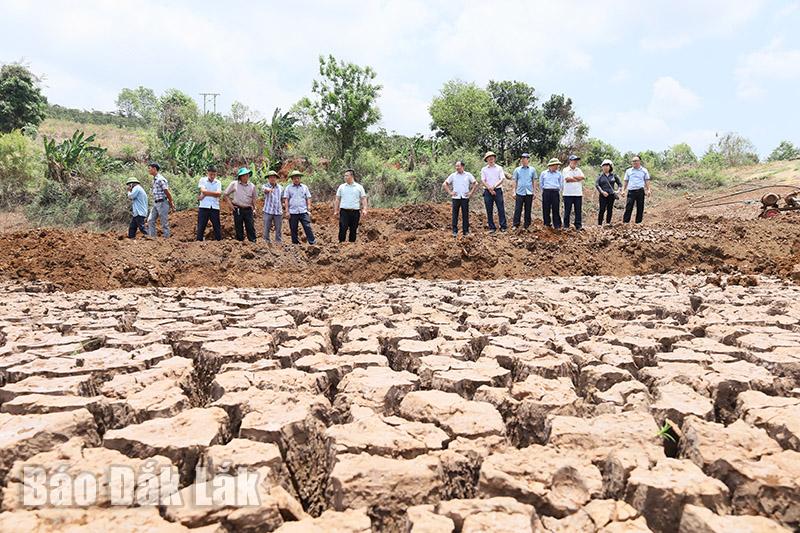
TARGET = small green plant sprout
x,y
664,432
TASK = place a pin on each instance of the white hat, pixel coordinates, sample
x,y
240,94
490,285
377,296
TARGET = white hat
x,y
607,162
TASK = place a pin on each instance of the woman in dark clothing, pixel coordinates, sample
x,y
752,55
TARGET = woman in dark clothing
x,y
607,191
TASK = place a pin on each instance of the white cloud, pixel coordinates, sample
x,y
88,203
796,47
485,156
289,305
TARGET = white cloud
x,y
774,63
405,109
671,99
679,23
656,125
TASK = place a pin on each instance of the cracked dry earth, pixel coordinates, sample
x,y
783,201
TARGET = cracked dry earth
x,y
415,405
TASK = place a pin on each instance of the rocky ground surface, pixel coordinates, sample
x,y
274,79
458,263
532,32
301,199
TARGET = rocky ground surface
x,y
658,403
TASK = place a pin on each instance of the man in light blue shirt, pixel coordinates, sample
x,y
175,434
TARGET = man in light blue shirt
x,y
138,207
551,182
350,205
208,209
297,204
523,177
637,186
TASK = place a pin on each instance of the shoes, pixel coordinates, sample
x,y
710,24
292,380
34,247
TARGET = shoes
x,y
455,234
492,231
503,230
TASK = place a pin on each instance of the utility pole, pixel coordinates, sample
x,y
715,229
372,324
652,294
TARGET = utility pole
x,y
213,97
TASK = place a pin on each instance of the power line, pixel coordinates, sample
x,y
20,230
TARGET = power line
x,y
213,100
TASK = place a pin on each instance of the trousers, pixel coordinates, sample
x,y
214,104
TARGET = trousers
x,y
551,216
490,201
575,202
273,220
523,201
635,197
348,222
159,210
462,205
301,219
606,208
204,215
137,223
243,221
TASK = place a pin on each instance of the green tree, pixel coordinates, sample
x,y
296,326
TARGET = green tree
x,y
735,150
557,128
177,112
679,155
784,152
140,103
461,113
346,103
595,151
512,117
21,100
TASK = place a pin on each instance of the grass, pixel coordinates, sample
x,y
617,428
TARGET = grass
x,y
122,143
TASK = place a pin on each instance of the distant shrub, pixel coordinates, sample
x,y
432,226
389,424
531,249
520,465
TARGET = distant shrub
x,y
21,165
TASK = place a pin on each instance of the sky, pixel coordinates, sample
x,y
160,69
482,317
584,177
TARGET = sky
x,y
642,75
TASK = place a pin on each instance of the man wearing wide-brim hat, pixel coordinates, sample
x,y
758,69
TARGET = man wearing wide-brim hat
x,y
138,199
297,205
242,195
492,177
551,181
273,208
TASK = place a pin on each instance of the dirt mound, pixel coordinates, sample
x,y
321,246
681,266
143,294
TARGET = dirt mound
x,y
82,260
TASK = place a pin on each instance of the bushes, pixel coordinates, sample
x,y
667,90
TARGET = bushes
x,y
20,166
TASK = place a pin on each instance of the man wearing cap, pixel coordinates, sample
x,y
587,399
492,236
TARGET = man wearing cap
x,y
349,206
573,193
492,177
162,201
242,195
208,208
460,185
551,181
636,186
523,178
138,200
607,184
273,210
297,205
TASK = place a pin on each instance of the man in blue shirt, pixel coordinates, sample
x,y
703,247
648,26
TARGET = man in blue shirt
x,y
636,186
297,205
138,207
551,182
208,209
523,178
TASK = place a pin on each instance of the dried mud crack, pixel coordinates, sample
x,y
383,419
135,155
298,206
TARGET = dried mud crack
x,y
412,405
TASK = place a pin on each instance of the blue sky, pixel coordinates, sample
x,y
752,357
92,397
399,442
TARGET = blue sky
x,y
642,74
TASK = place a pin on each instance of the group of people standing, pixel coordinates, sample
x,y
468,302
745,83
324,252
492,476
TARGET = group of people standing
x,y
292,201
556,186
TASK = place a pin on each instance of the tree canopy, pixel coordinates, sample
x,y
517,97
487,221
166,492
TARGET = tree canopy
x,y
784,152
21,100
345,104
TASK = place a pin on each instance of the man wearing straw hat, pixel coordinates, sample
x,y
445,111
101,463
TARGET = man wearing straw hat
x,y
492,177
138,200
551,181
297,204
273,212
242,194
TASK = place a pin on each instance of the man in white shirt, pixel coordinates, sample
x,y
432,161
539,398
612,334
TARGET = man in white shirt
x,y
493,177
349,206
635,187
573,192
208,209
460,185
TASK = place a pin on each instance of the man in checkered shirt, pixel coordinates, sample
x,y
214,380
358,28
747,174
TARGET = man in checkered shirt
x,y
162,201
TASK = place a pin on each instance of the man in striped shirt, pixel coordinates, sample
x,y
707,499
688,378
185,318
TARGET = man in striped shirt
x,y
273,210
162,201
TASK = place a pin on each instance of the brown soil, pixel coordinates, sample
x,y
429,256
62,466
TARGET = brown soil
x,y
411,241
